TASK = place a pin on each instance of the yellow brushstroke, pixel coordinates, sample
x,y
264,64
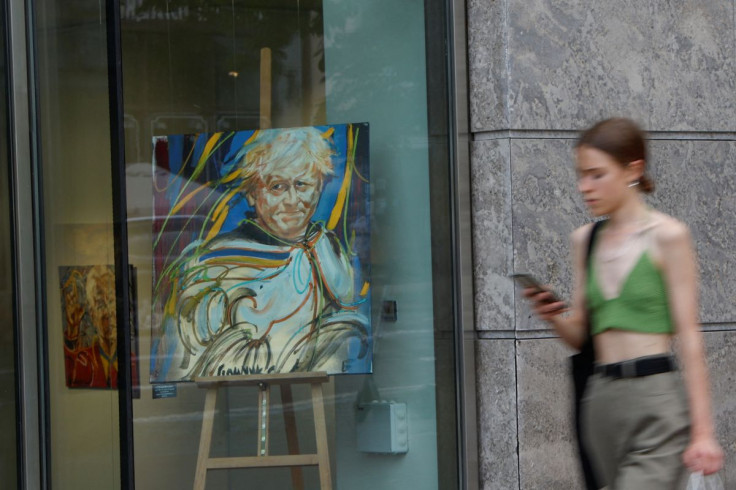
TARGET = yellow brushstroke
x,y
248,261
252,137
365,288
206,154
186,199
342,195
223,203
170,307
235,173
328,133
340,203
218,224
232,176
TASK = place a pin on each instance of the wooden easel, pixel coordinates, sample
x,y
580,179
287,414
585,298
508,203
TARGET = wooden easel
x,y
263,458
264,382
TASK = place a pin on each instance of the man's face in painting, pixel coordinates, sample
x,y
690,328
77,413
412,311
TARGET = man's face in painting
x,y
286,198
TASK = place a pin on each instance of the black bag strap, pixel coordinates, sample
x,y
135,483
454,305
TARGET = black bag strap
x,y
589,257
591,241
582,368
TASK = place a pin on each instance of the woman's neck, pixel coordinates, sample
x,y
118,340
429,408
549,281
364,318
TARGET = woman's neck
x,y
632,213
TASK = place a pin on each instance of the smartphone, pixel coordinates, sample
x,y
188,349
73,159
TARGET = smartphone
x,y
529,281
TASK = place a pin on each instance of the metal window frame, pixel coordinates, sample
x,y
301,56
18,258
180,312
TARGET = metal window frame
x,y
25,222
28,245
120,234
468,460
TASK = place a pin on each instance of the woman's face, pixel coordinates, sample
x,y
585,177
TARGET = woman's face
x,y
602,181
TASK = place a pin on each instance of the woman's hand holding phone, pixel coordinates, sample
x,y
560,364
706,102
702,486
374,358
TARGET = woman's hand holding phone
x,y
546,303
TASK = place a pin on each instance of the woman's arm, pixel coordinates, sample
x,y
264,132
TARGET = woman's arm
x,y
571,327
680,271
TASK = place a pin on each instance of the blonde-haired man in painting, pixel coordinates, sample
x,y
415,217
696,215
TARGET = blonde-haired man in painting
x,y
276,294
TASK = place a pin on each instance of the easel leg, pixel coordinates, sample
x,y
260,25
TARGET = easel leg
x,y
205,438
320,427
292,438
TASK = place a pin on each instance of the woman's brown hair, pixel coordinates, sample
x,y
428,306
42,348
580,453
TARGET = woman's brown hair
x,y
623,140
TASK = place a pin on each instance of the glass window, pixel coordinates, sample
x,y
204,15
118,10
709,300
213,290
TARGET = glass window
x,y
70,39
363,76
8,445
198,68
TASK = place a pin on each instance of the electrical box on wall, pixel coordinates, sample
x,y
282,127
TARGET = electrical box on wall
x,y
382,427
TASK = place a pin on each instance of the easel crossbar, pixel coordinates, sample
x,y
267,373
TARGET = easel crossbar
x,y
263,461
255,380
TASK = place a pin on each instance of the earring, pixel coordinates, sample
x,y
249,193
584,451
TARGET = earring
x,y
634,184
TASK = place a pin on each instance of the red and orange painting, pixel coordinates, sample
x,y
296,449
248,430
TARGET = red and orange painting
x,y
90,327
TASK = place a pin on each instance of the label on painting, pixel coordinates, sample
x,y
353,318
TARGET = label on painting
x,y
164,391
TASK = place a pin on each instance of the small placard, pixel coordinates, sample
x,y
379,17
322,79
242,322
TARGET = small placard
x,y
389,311
163,391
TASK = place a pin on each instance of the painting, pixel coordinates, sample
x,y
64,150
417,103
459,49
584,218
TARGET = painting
x,y
90,327
261,249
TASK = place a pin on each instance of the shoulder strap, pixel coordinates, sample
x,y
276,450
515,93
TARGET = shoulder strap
x,y
591,241
588,253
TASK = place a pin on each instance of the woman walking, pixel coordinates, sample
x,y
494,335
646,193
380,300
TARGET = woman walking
x,y
642,426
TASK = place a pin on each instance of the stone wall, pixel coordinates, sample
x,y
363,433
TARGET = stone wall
x,y
541,70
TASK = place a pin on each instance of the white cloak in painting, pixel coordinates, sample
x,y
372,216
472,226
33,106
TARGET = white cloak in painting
x,y
247,302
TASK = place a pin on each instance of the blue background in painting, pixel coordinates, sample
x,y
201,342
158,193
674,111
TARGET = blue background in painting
x,y
240,207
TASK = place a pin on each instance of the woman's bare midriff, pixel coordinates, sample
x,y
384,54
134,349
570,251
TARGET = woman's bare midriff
x,y
621,345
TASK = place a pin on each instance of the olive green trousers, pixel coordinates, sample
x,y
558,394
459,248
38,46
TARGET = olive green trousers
x,y
636,429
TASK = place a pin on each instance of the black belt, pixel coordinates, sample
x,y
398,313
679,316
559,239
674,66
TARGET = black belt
x,y
643,366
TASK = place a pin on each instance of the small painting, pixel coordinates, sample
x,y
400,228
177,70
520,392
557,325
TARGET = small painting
x,y
90,327
261,253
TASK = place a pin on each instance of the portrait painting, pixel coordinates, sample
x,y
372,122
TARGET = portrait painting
x,y
90,327
261,253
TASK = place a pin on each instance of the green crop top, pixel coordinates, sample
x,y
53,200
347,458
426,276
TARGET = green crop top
x,y
642,305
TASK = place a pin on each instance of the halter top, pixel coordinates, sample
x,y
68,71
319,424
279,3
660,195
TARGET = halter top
x,y
641,306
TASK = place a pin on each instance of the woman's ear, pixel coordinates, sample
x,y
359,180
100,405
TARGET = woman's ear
x,y
635,169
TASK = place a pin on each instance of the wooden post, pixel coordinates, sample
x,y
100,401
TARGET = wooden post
x,y
205,438
292,439
320,427
265,115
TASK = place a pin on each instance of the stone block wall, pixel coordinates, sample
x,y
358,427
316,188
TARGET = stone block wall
x,y
540,71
